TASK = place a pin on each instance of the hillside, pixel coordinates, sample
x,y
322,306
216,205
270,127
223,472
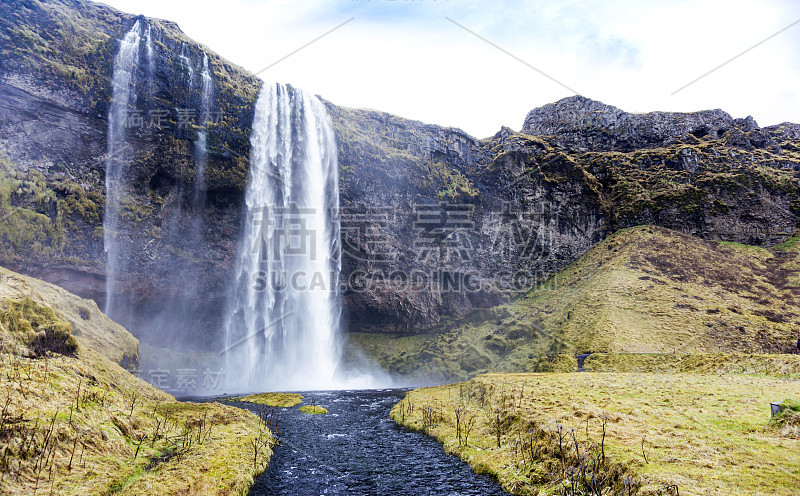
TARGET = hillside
x,y
643,290
640,434
75,422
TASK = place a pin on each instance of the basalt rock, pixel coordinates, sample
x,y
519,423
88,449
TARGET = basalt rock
x,y
581,124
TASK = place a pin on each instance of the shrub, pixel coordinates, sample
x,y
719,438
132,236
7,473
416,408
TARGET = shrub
x,y
37,327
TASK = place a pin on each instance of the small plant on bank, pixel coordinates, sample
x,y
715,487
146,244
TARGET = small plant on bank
x,y
787,421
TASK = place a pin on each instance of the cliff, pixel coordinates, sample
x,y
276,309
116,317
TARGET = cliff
x,y
435,223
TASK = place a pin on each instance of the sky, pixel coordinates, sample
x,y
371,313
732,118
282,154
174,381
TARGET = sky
x,y
480,65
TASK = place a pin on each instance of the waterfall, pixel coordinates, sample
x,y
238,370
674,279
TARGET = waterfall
x,y
123,97
201,145
282,320
148,36
186,63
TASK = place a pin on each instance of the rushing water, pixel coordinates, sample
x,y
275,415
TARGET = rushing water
x,y
151,67
201,143
123,98
356,449
283,315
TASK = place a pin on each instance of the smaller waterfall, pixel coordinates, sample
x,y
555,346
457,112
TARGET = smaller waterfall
x,y
148,36
186,63
123,98
201,144
206,84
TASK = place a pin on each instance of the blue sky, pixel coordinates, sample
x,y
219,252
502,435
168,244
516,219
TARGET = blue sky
x,y
405,57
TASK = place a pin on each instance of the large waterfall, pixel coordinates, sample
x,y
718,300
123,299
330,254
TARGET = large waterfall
x,y
123,98
283,316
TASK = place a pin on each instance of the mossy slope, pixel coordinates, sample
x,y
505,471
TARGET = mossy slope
x,y
75,422
642,290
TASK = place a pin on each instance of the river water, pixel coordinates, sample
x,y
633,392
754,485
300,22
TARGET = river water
x,y
356,449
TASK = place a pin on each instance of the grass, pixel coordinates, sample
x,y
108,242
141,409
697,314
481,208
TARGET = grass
x,y
283,400
77,423
793,405
643,290
786,366
313,409
706,434
787,422
793,243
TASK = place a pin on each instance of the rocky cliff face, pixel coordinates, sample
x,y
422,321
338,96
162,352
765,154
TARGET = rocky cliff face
x,y
435,223
55,87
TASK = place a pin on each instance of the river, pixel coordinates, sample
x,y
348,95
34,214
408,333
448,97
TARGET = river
x,y
356,449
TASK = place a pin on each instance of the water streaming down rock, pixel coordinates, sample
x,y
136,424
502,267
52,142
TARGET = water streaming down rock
x,y
148,36
186,64
283,315
180,235
201,143
123,97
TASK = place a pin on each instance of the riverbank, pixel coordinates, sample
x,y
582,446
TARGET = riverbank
x,y
645,432
75,422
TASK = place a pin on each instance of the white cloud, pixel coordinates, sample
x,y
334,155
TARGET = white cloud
x,y
404,57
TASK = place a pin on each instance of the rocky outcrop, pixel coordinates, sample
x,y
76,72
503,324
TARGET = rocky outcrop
x,y
435,223
581,124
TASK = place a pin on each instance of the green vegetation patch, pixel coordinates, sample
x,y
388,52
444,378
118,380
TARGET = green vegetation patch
x,y
283,400
787,366
80,424
793,405
26,206
787,422
313,409
644,299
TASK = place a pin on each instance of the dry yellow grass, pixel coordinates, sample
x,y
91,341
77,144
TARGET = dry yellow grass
x,y
89,325
81,424
707,434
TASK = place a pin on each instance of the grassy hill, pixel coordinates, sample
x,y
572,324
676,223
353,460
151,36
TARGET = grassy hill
x,y
644,290
73,421
625,433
